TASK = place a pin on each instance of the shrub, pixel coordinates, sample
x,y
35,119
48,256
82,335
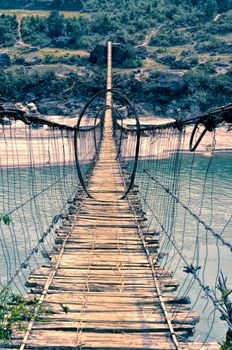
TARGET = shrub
x,y
8,30
131,63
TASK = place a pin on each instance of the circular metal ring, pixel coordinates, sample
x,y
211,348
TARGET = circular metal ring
x,y
77,129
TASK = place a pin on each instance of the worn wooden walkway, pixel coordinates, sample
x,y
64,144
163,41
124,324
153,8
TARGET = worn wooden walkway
x,y
105,292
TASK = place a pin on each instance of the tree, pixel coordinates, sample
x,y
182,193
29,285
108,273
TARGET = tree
x,y
74,5
56,24
224,5
211,8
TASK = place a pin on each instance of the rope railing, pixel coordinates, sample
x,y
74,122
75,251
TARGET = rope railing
x,y
184,181
40,187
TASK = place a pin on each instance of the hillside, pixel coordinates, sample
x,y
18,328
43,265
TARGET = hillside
x,y
178,53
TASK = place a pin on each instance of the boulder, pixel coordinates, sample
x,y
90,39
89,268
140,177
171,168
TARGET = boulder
x,y
168,83
5,59
120,53
99,54
166,86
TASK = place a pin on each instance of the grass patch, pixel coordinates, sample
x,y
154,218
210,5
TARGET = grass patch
x,y
177,50
205,57
124,70
151,64
43,13
225,37
59,52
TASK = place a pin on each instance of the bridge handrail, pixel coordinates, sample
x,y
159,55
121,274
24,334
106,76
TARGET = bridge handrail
x,y
210,118
30,119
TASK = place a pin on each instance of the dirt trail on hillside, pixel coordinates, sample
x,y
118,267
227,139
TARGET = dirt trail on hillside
x,y
148,37
20,39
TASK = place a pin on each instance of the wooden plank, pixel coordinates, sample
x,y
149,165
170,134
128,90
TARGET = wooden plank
x,y
125,327
93,340
122,316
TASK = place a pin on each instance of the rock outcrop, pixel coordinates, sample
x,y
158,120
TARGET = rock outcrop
x,y
121,52
168,84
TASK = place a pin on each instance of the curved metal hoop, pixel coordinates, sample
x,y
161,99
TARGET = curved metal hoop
x,y
77,129
191,147
138,129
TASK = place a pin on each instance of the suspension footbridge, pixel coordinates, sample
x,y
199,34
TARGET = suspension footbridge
x,y
109,279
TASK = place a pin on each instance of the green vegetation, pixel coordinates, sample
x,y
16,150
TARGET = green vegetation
x,y
47,83
110,17
200,88
225,301
190,38
227,345
5,219
58,31
14,311
207,89
42,13
8,30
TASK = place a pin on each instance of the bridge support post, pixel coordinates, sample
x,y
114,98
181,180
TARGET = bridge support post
x,y
108,101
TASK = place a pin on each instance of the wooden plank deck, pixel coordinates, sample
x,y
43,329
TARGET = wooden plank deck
x,y
103,292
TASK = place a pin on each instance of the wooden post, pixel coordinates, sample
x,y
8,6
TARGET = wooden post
x,y
108,111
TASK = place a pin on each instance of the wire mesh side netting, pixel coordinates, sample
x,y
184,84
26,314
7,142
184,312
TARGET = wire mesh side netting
x,y
187,198
38,183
